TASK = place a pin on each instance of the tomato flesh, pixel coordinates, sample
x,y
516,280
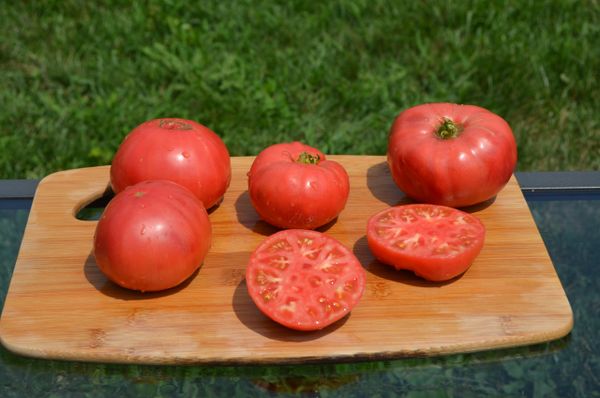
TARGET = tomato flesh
x,y
437,243
304,280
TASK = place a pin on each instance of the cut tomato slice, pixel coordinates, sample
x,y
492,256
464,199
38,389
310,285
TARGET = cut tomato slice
x,y
303,279
437,243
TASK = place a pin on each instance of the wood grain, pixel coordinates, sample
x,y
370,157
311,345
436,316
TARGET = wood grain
x,y
60,306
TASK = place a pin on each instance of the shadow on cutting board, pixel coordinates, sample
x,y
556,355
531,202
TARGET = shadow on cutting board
x,y
382,186
97,279
362,252
249,314
249,218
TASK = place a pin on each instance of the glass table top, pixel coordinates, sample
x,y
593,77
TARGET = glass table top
x,y
568,367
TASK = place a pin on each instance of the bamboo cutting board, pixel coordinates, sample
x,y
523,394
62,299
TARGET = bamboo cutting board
x,y
60,306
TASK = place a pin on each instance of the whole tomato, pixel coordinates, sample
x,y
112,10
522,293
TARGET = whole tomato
x,y
292,185
152,236
449,154
179,150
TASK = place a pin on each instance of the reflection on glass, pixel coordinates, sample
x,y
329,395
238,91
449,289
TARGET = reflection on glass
x,y
567,367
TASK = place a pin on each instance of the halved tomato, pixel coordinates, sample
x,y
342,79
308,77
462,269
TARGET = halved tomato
x,y
437,243
304,279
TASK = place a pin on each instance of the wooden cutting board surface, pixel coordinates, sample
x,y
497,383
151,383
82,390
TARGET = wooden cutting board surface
x,y
60,306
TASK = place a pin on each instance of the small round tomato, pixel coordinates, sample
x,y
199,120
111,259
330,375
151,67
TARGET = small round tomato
x,y
178,150
435,242
152,236
304,279
452,155
292,185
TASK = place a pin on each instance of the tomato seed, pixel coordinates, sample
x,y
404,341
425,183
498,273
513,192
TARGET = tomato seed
x,y
305,242
263,278
315,281
311,254
280,262
267,296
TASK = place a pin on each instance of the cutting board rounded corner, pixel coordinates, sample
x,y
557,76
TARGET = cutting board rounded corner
x,y
69,191
11,342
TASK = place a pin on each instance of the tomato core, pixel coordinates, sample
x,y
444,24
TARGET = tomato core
x,y
308,158
448,129
174,125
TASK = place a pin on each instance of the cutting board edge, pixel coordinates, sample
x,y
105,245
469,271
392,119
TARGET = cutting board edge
x,y
438,351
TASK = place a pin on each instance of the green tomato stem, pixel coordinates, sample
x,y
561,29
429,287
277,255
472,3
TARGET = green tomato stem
x,y
308,158
448,129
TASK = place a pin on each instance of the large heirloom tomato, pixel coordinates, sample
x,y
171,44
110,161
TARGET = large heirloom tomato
x,y
304,279
453,155
292,185
152,236
435,242
179,150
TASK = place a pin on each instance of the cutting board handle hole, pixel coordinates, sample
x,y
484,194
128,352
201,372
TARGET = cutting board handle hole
x,y
92,210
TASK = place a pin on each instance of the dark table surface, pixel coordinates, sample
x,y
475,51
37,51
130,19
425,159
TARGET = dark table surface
x,y
568,217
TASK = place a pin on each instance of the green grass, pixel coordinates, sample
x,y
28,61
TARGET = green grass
x,y
76,76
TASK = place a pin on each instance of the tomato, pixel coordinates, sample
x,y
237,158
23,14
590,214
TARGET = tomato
x,y
437,243
179,150
452,155
152,236
292,185
304,279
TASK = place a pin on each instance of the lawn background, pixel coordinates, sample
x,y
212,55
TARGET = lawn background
x,y
76,76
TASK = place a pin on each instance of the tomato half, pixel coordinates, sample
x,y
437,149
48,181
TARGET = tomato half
x,y
292,185
304,279
178,150
152,236
435,242
452,155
